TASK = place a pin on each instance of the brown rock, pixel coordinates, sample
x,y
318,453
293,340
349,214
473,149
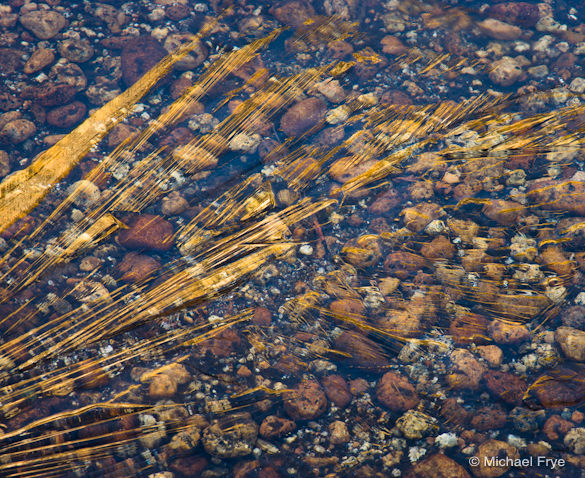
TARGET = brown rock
x,y
10,60
454,413
138,56
189,465
346,169
404,264
173,204
401,323
4,163
505,386
519,13
162,386
262,317
490,449
469,328
8,101
385,202
466,370
303,116
393,46
120,133
553,258
50,93
503,212
437,466
439,248
147,232
273,426
556,428
358,386
396,393
365,251
306,402
558,195
504,332
363,352
492,354
337,390
44,24
572,342
489,418
293,13
349,308
177,12
137,267
40,58
418,217
68,115
17,131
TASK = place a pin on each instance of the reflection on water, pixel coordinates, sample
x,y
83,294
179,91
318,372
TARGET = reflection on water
x,y
329,239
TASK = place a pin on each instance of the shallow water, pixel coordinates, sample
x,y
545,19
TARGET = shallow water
x,y
351,246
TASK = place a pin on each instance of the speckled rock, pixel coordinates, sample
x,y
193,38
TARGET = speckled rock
x,y
504,332
556,428
147,232
40,58
338,433
137,267
17,131
273,426
84,193
162,386
50,93
68,115
490,449
414,424
303,116
77,51
572,342
492,354
306,401
396,393
437,466
575,440
337,390
44,24
231,436
418,217
4,163
506,71
173,204
466,371
138,56
519,13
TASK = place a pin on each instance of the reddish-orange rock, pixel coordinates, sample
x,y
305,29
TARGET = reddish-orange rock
x,y
363,351
504,332
488,418
147,232
306,401
439,248
404,264
467,370
503,212
556,428
396,392
137,267
505,386
437,466
337,390
303,116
